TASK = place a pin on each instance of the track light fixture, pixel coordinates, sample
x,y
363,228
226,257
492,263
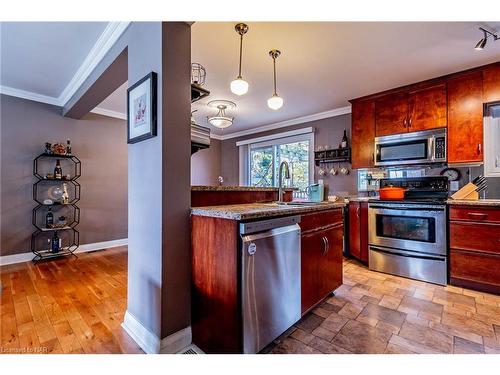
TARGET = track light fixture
x,y
482,43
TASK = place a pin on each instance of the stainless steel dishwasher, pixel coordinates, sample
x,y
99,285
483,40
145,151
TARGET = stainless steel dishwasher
x,y
270,279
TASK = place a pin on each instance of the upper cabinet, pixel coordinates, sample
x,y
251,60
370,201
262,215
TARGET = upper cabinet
x,y
427,108
363,134
491,83
391,114
465,118
410,111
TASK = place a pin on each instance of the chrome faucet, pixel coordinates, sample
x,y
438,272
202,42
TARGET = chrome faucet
x,y
280,174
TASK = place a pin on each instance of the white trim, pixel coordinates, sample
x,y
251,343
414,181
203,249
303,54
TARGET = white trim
x,y
146,339
216,136
10,91
26,257
106,40
491,147
276,136
109,113
298,120
176,342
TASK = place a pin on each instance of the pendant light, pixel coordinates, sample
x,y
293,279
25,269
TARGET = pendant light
x,y
221,120
275,102
239,86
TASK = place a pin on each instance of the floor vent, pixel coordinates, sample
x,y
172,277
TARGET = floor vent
x,y
191,349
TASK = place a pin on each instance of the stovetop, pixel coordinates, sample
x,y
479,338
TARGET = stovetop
x,y
429,201
428,189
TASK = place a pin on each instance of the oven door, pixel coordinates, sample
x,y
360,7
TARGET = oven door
x,y
402,149
412,227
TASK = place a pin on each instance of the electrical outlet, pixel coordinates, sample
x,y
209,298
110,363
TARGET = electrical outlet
x,y
454,185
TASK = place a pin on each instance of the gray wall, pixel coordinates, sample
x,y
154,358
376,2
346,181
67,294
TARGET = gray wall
x,y
101,144
206,165
328,131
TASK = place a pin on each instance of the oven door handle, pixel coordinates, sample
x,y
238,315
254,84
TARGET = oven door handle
x,y
406,254
400,208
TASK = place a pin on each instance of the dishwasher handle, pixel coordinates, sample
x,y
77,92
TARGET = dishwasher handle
x,y
265,225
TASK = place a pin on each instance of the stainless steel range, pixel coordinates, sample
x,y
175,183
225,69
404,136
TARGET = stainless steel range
x,y
408,237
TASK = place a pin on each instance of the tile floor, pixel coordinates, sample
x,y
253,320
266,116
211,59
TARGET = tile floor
x,y
378,313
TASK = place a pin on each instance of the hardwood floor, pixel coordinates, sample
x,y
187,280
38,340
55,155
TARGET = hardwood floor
x,y
77,305
378,313
67,305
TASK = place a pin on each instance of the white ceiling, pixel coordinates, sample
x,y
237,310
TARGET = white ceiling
x,y
43,57
322,64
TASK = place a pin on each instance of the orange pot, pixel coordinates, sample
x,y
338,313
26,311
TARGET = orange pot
x,y
392,192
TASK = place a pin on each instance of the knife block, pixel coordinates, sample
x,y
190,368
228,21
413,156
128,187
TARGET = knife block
x,y
468,192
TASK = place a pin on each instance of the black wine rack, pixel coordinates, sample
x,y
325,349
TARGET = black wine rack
x,y
41,237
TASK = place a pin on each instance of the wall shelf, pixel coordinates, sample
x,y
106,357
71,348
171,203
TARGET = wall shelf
x,y
335,155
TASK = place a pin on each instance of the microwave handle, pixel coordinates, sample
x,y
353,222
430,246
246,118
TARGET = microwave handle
x,y
431,149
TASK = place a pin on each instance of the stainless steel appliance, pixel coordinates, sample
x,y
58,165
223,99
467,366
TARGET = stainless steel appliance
x,y
270,280
423,147
409,237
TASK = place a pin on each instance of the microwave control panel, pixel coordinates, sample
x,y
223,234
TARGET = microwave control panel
x,y
440,148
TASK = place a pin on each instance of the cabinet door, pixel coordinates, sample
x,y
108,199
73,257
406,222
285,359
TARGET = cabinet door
x,y
363,232
427,108
391,114
362,134
354,229
330,261
465,118
311,246
491,83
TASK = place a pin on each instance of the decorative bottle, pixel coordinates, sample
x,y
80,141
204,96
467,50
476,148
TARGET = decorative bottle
x,y
343,144
58,170
49,219
68,147
56,243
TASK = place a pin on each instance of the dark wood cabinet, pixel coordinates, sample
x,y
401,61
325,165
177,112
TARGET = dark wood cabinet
x,y
358,230
391,114
321,261
491,83
363,134
427,108
465,118
475,248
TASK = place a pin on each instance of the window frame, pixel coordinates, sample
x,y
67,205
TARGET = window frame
x,y
277,141
491,144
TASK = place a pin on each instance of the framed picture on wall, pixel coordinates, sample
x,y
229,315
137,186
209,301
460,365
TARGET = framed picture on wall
x,y
141,109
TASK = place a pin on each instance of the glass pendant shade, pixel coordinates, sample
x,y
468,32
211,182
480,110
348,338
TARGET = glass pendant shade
x,y
239,86
275,102
220,122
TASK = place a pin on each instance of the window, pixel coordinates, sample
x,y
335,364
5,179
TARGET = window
x,y
264,158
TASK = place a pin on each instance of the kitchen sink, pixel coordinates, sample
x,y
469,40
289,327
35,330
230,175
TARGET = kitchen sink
x,y
297,204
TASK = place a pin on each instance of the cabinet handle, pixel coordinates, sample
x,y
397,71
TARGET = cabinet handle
x,y
405,122
409,123
478,215
326,244
479,148
357,212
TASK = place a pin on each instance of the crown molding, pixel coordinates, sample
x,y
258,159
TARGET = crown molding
x,y
109,113
106,40
295,121
6,90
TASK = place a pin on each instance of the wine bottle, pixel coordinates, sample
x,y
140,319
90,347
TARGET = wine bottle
x,y
49,219
58,170
56,243
68,147
343,144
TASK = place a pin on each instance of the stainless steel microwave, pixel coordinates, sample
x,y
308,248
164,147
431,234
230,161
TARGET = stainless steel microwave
x,y
423,147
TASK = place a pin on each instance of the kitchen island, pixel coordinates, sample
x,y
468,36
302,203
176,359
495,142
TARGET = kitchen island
x,y
217,243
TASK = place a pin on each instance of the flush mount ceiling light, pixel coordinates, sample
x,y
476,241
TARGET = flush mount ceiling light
x,y
275,102
239,86
482,43
221,120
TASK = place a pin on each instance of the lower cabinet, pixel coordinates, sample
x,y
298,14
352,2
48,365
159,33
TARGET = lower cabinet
x,y
475,248
358,230
321,263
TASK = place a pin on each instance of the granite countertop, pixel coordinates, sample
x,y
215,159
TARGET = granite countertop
x,y
260,210
480,202
236,188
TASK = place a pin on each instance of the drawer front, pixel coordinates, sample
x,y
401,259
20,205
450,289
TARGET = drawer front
x,y
471,213
320,219
475,237
474,269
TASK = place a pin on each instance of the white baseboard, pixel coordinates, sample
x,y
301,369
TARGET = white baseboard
x,y
176,342
150,343
26,257
146,339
